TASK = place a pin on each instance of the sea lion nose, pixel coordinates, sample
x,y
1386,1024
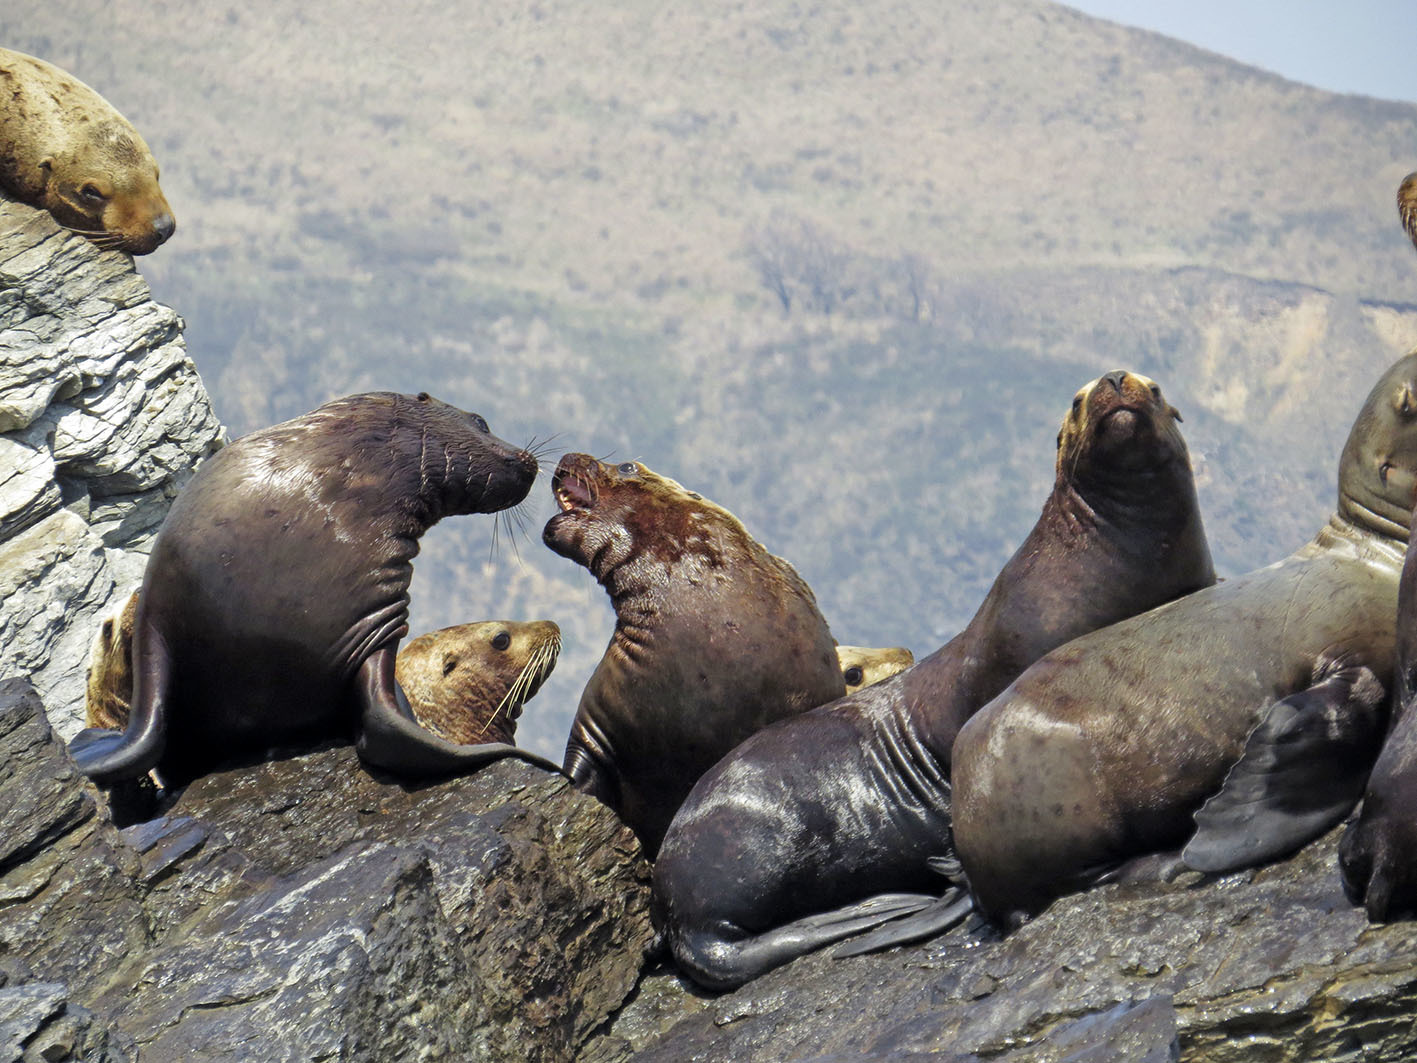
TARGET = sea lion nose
x,y
164,225
1116,378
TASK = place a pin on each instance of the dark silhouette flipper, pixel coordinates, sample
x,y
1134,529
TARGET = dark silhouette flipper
x,y
390,739
949,910
1303,769
109,757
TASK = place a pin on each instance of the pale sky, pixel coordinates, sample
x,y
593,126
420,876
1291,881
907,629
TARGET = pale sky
x,y
1359,46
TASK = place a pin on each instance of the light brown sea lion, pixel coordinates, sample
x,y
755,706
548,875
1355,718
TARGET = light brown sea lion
x,y
466,683
786,844
277,591
1244,717
65,149
714,637
862,666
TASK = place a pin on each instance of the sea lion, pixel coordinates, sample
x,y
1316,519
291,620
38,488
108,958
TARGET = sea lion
x,y
778,844
863,667
65,149
109,682
466,683
714,637
1261,698
277,591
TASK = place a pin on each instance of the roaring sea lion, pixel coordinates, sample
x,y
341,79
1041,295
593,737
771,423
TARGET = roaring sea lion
x,y
467,683
784,844
65,149
714,637
863,667
1262,699
277,591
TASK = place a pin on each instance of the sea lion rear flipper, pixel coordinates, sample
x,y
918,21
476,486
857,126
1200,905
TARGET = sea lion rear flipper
x,y
929,922
390,739
1303,770
109,757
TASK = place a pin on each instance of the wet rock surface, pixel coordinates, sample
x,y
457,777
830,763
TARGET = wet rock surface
x,y
102,419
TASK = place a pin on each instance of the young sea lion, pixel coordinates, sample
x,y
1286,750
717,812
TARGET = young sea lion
x,y
714,637
466,683
65,149
778,844
277,591
1265,694
862,667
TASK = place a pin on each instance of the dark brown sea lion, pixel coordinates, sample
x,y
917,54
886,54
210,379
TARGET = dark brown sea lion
x,y
277,591
862,666
65,149
714,637
1265,694
466,683
775,849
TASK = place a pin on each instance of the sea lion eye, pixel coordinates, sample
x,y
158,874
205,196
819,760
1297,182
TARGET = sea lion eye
x,y
1405,404
853,676
1060,440
1077,404
1155,392
481,423
1383,470
423,396
92,194
627,468
501,640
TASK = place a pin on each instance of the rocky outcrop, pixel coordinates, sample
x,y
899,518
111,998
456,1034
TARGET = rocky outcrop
x,y
304,910
102,419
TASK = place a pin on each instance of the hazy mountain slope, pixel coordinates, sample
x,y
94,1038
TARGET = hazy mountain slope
x,y
586,219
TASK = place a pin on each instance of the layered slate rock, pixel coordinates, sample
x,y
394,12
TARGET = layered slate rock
x,y
102,419
304,910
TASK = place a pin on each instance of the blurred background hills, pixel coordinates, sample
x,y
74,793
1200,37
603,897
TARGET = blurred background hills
x,y
839,266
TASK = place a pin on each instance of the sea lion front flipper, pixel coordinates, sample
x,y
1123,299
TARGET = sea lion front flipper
x,y
931,921
390,739
1303,770
108,757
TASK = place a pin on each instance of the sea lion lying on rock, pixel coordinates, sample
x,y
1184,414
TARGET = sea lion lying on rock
x,y
64,148
466,683
777,846
1244,717
714,637
277,591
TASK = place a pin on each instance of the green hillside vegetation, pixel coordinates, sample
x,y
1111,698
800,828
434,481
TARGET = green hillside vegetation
x,y
839,268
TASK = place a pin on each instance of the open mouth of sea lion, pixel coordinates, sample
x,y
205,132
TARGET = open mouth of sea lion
x,y
572,490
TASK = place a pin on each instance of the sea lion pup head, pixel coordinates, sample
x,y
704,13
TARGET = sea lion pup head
x,y
469,683
1119,426
1377,474
103,183
109,692
383,441
862,667
614,514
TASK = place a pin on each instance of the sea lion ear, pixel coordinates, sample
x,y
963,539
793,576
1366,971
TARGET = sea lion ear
x,y
1059,444
47,164
1177,415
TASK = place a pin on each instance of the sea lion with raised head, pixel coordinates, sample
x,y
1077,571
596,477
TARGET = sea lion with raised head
x,y
786,843
1240,721
467,683
714,637
64,148
863,666
277,591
